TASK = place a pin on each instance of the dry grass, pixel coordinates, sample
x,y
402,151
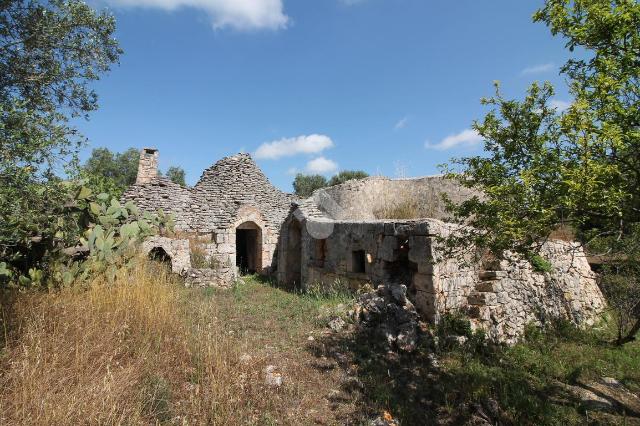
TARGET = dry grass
x,y
406,209
133,352
145,350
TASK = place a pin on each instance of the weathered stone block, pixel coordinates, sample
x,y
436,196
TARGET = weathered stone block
x,y
387,250
419,249
424,283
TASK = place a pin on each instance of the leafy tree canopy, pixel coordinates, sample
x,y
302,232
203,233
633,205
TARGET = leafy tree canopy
x,y
177,175
111,172
50,52
579,169
347,175
304,185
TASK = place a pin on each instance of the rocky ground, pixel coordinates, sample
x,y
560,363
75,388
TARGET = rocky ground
x,y
369,360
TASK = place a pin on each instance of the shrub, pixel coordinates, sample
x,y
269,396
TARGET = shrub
x,y
88,234
407,209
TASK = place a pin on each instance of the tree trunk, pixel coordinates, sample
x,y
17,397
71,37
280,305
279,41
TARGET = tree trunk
x,y
631,335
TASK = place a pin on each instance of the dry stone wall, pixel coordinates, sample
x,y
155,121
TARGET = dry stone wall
x,y
230,193
504,301
176,249
501,301
370,198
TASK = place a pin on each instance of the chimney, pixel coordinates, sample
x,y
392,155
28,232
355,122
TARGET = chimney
x,y
147,166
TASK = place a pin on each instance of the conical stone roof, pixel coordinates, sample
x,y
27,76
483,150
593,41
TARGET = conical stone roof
x,y
213,203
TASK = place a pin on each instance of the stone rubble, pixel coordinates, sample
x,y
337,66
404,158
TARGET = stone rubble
x,y
393,317
272,377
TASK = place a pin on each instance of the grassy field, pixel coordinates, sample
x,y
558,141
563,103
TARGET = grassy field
x,y
146,350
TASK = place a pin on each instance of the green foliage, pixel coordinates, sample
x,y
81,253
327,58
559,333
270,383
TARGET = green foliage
x,y
540,264
620,282
110,172
347,175
177,175
580,169
156,397
100,229
304,185
50,52
113,234
454,324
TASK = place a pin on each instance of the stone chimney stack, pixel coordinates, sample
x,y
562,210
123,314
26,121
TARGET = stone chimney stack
x,y
147,166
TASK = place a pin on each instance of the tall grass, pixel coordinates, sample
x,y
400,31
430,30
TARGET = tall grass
x,y
136,351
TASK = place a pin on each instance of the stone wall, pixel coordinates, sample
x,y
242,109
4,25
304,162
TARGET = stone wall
x,y
501,300
179,253
368,199
177,250
218,278
230,194
147,165
504,301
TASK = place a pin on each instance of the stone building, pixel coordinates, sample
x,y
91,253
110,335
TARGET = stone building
x,y
342,234
354,234
233,214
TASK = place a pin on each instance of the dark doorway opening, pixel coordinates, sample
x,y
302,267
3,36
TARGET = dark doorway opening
x,y
248,248
358,261
159,254
402,270
293,256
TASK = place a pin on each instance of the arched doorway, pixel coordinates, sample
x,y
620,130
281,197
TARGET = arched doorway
x,y
159,255
294,255
249,248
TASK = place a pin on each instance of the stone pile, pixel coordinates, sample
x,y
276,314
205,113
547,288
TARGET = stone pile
x,y
389,313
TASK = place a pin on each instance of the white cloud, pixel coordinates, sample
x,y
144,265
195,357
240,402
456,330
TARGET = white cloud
x,y
288,147
322,166
292,171
238,14
559,104
538,69
402,123
466,138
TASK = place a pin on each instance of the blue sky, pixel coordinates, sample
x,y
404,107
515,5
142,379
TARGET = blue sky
x,y
387,86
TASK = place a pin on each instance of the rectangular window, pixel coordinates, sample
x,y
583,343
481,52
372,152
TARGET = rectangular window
x,y
358,261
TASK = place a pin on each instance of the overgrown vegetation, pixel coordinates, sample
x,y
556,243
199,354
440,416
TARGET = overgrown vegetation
x,y
50,53
545,170
401,209
451,381
142,349
199,257
89,234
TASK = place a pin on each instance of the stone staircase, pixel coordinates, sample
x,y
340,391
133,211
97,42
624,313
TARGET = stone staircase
x,y
485,295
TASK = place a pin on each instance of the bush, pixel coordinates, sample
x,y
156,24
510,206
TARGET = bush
x,y
86,234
